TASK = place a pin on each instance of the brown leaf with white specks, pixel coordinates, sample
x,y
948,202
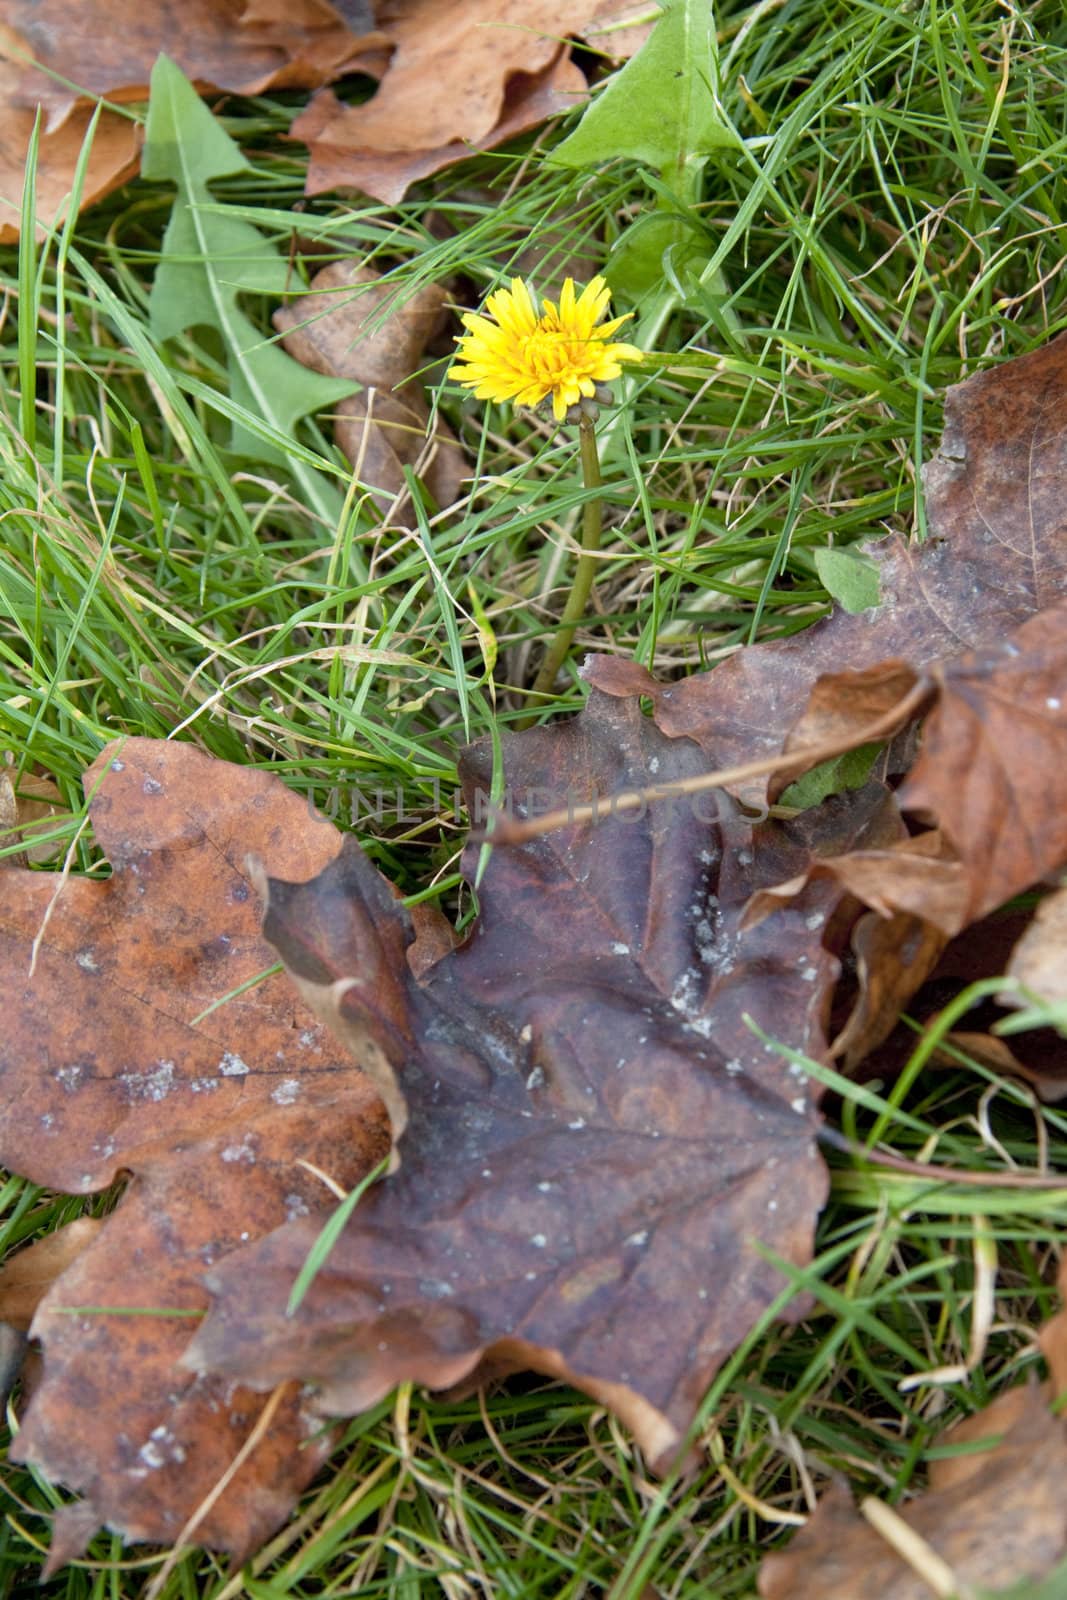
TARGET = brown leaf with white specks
x,y
208,1111
596,1149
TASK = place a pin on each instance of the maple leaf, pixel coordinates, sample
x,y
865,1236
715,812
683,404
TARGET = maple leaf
x,y
600,1156
976,616
112,1063
996,555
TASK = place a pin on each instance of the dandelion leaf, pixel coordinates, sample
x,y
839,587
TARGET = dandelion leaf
x,y
662,108
210,258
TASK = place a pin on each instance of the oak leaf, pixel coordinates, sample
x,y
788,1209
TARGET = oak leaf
x,y
108,49
112,1063
338,159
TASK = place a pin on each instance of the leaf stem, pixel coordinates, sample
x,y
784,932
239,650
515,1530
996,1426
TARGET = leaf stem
x,y
585,572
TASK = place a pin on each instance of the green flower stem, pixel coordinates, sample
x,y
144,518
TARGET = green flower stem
x,y
585,572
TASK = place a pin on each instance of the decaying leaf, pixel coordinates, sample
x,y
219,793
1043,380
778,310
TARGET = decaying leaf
x,y
599,1152
619,28
456,76
463,76
598,1147
113,159
27,815
26,1278
996,555
344,327
108,49
337,159
1039,960
208,1115
975,615
993,746
1002,1521
451,64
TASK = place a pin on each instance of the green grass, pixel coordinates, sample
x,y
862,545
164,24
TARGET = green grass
x,y
900,229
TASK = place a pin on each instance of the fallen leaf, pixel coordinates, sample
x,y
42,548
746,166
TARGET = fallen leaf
x,y
108,50
1001,1521
598,1150
993,746
1053,1340
1039,960
1037,1058
345,327
338,160
451,63
108,47
28,1275
996,554
208,1114
894,956
113,160
29,812
619,28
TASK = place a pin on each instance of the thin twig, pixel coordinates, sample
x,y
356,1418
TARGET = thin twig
x,y
506,830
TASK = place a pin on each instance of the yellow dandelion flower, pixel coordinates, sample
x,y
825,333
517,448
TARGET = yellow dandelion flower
x,y
514,354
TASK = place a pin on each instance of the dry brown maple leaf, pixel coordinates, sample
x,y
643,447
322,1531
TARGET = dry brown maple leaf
x,y
598,1149
107,1067
349,326
996,555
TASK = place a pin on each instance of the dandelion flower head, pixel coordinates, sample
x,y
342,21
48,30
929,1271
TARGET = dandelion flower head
x,y
515,354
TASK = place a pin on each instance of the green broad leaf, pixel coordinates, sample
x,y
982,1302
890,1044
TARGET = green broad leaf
x,y
655,248
850,577
849,771
209,259
662,108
